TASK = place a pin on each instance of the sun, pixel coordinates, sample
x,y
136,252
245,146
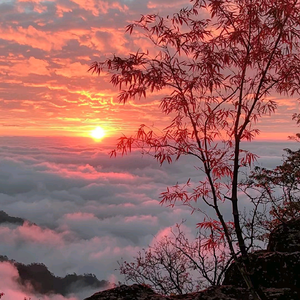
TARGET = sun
x,y
98,133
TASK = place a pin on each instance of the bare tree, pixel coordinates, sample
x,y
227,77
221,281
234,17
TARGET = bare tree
x,y
177,265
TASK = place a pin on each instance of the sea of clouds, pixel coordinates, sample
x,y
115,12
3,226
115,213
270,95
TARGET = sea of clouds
x,y
86,211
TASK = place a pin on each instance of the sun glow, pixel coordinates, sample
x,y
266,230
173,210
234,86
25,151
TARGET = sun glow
x,y
98,133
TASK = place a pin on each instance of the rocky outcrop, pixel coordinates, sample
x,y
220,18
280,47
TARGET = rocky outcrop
x,y
279,265
286,237
42,281
269,269
223,292
275,270
5,218
124,292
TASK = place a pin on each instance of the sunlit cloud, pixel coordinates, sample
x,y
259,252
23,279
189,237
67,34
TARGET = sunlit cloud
x,y
166,3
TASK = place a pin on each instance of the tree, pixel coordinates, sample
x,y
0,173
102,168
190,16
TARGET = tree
x,y
279,192
170,264
221,60
176,265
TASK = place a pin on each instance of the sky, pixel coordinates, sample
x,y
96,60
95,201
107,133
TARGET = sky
x,y
46,48
89,210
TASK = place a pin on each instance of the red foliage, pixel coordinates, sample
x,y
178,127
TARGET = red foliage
x,y
221,70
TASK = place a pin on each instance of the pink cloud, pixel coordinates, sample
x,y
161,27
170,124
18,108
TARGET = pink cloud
x,y
32,1
38,6
163,233
166,3
33,37
170,231
61,9
79,216
97,7
31,234
72,69
118,251
142,218
30,66
9,274
107,40
13,291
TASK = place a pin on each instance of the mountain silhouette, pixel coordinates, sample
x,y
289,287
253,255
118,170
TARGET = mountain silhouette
x,y
5,218
44,282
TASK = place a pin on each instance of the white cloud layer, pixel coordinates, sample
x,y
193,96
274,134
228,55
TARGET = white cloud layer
x,y
89,210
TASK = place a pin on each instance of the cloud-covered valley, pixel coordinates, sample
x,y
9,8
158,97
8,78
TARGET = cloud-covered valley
x,y
85,210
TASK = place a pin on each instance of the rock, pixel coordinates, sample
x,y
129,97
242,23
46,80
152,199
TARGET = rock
x,y
142,292
279,265
275,270
269,269
124,292
285,237
223,292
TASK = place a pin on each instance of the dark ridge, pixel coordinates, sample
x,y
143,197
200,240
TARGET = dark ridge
x,y
44,282
5,218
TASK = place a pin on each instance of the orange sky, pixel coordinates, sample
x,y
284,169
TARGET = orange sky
x,y
45,51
